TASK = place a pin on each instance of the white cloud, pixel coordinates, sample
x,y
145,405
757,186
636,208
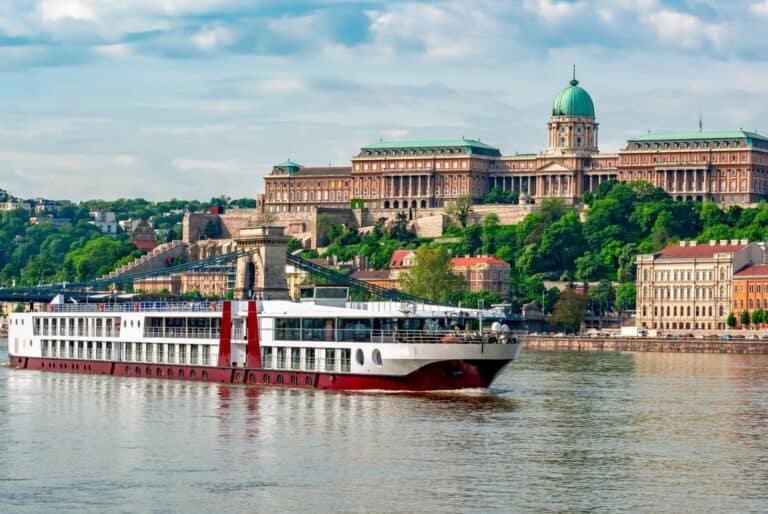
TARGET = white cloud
x,y
188,164
685,30
57,10
209,39
554,11
759,8
449,31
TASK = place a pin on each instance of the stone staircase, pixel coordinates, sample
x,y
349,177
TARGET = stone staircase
x,y
154,260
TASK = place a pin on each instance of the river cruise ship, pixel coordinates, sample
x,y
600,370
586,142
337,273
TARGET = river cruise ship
x,y
323,342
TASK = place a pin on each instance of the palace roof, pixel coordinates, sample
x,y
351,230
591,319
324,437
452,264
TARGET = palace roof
x,y
700,136
431,147
322,171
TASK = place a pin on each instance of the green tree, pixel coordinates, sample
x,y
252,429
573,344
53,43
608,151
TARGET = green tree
x,y
745,319
758,317
569,311
626,296
731,320
431,276
460,211
602,296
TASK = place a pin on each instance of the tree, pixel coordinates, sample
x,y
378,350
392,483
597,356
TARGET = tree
x,y
626,296
602,296
570,310
758,317
431,276
745,319
731,320
460,211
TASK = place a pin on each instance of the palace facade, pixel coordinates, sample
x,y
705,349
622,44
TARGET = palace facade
x,y
729,167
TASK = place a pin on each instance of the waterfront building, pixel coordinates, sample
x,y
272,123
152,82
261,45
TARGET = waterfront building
x,y
729,167
750,290
688,286
483,273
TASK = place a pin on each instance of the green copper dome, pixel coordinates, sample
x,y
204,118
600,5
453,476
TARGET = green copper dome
x,y
573,101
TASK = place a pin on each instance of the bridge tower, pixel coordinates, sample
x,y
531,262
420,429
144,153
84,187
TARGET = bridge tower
x,y
262,273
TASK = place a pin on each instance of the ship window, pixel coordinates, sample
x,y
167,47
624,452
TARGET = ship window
x,y
206,355
287,329
193,354
160,353
295,358
330,359
359,357
376,357
309,359
280,358
317,329
171,353
346,355
266,357
354,330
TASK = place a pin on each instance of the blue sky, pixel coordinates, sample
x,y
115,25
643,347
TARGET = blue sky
x,y
198,98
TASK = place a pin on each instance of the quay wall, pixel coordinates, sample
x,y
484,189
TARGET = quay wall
x,y
645,344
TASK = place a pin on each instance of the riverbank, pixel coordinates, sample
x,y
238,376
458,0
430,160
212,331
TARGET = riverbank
x,y
645,344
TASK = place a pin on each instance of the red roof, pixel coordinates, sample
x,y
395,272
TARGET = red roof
x,y
398,256
471,261
698,251
755,270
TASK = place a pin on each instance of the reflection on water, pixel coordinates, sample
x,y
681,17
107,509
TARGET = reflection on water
x,y
558,431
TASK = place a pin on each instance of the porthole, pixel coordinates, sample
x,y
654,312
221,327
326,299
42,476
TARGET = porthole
x,y
251,378
279,379
204,375
238,377
376,357
181,373
170,373
308,381
359,357
159,372
294,380
148,371
138,371
265,379
192,375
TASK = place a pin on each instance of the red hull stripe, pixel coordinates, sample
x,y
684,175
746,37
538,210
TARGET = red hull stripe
x,y
225,339
445,375
254,345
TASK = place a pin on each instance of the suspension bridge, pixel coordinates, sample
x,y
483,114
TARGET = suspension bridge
x,y
81,291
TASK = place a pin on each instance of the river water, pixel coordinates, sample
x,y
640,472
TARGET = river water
x,y
558,432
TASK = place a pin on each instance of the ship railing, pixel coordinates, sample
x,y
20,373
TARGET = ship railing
x,y
198,306
365,335
182,332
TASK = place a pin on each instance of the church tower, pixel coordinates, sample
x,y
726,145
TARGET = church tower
x,y
572,128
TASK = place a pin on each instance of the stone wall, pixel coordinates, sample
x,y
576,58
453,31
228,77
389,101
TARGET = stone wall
x,y
156,259
429,226
233,221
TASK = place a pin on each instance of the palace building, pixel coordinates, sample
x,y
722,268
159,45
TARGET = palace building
x,y
729,167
